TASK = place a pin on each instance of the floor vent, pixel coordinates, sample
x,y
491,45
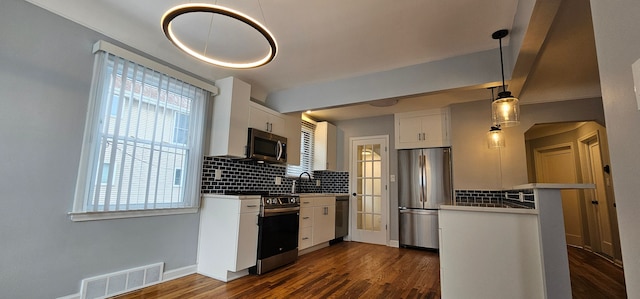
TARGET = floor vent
x,y
116,283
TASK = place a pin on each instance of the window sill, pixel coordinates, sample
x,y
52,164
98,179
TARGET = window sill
x,y
91,216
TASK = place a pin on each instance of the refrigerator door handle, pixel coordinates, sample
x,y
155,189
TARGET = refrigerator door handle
x,y
423,196
419,211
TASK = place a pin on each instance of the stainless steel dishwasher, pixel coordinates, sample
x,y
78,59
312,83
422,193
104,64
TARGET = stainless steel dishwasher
x,y
342,216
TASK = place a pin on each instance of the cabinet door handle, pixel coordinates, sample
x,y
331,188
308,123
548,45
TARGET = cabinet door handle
x,y
306,202
419,136
305,217
305,238
252,206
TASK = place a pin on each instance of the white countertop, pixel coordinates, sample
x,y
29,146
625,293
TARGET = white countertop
x,y
489,210
239,197
554,186
321,194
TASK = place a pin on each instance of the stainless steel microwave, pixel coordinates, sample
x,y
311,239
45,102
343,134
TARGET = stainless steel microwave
x,y
267,147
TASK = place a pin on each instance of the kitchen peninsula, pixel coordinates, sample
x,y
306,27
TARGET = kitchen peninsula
x,y
504,252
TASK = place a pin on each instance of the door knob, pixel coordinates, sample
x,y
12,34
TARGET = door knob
x,y
595,202
354,194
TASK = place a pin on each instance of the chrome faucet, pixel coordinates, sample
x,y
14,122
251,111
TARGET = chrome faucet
x,y
300,179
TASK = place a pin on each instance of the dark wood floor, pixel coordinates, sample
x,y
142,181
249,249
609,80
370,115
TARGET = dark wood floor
x,y
357,270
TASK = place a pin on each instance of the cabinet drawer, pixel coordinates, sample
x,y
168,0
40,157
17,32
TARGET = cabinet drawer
x,y
307,202
305,238
306,217
326,201
250,205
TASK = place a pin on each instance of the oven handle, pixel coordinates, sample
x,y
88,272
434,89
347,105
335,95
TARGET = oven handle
x,y
279,211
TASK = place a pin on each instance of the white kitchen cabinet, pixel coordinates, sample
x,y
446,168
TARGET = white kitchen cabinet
x,y
325,147
265,119
228,236
292,132
229,119
419,129
324,223
317,220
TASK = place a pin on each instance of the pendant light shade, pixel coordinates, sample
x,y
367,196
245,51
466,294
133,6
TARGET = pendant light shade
x,y
505,109
495,137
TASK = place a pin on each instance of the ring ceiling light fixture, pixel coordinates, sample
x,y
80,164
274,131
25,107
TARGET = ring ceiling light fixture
x,y
179,10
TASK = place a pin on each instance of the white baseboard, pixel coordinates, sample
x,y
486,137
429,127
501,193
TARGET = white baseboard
x,y
180,272
166,276
394,243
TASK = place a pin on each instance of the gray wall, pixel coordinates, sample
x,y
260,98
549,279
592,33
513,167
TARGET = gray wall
x,y
617,31
45,76
475,166
372,126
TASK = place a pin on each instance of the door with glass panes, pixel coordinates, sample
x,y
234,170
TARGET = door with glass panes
x,y
368,184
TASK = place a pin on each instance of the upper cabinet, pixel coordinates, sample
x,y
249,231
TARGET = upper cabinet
x,y
229,120
233,113
293,126
265,119
418,129
325,147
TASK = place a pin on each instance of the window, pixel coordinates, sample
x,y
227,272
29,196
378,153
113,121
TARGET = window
x,y
177,177
105,172
180,128
306,149
148,126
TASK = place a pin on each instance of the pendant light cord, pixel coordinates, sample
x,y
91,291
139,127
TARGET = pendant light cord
x,y
502,65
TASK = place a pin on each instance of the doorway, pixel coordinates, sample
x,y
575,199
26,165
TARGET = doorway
x,y
569,152
369,187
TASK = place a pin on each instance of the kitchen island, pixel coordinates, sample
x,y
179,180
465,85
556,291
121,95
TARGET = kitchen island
x,y
493,252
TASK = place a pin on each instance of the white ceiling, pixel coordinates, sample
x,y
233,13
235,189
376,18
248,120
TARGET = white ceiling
x,y
329,40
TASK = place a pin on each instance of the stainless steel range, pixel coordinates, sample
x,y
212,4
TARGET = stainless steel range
x,y
278,232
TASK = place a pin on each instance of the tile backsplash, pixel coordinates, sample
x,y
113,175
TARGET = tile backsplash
x,y
494,198
240,176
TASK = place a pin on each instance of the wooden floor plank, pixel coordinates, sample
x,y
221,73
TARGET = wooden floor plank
x,y
358,270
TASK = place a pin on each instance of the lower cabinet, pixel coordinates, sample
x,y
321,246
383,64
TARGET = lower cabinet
x,y
317,220
228,237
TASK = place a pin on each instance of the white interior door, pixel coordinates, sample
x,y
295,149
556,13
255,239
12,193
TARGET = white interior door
x,y
368,184
599,204
556,164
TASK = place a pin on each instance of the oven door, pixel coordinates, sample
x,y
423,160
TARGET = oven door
x,y
278,233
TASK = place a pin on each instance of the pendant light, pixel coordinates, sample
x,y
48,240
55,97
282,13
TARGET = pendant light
x,y
495,137
191,8
504,109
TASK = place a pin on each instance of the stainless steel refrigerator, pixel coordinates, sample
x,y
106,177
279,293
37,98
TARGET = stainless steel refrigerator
x,y
424,183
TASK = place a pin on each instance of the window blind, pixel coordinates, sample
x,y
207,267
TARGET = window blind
x,y
142,126
307,137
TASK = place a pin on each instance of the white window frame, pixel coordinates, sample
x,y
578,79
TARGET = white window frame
x,y
191,179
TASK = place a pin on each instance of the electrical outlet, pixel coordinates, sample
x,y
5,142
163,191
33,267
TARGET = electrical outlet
x,y
278,180
318,183
218,174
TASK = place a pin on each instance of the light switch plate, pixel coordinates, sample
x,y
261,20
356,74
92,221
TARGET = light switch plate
x,y
218,175
318,183
278,180
635,68
392,178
